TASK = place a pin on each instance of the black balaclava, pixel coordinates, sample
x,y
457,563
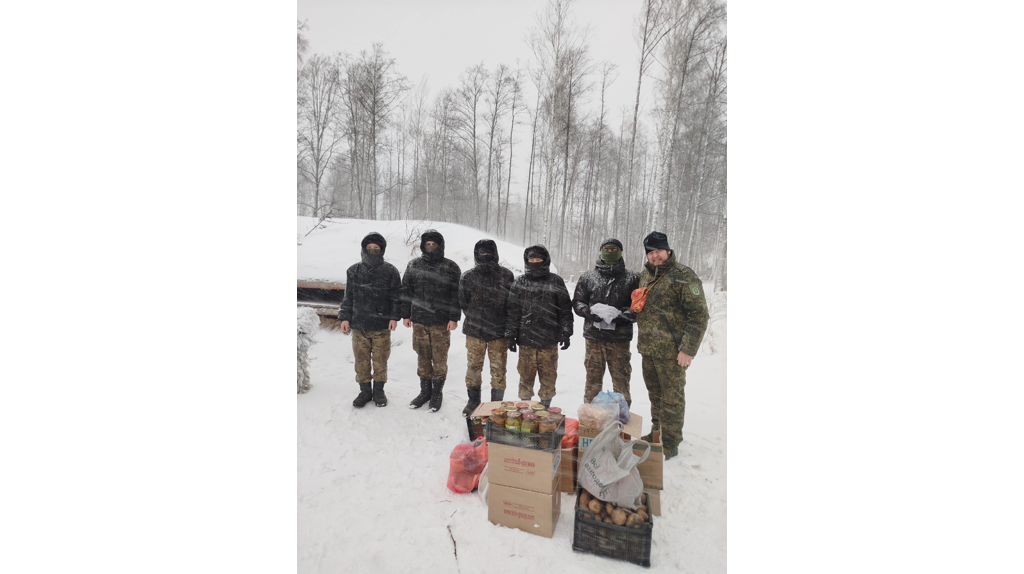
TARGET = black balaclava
x,y
438,253
539,269
370,258
485,246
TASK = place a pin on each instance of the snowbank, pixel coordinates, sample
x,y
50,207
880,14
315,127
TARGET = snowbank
x,y
332,247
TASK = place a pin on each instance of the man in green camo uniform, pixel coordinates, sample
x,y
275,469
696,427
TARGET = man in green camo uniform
x,y
670,329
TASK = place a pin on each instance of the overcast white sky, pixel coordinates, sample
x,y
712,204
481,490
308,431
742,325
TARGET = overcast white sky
x,y
441,38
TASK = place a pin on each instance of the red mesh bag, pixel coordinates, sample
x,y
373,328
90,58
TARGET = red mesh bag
x,y
466,462
572,432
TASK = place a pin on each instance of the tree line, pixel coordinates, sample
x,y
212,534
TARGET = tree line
x,y
372,145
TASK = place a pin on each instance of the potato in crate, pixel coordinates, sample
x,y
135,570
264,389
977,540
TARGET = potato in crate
x,y
605,530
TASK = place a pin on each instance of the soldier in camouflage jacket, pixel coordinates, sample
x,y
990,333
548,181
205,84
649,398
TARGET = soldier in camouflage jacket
x,y
670,329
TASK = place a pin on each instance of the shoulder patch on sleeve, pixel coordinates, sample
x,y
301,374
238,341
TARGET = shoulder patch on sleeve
x,y
694,289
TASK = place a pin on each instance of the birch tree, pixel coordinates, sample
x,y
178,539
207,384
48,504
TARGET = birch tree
x,y
318,128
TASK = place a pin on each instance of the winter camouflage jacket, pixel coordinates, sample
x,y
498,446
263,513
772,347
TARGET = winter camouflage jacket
x,y
611,285
676,315
539,309
430,286
372,290
483,294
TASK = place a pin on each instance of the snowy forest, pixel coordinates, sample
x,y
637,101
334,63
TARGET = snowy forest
x,y
529,152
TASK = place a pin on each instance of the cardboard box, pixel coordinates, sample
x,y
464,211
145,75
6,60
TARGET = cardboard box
x,y
654,501
633,429
567,470
523,468
652,469
484,410
529,511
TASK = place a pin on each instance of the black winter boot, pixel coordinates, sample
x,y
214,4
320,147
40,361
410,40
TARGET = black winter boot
x,y
474,401
497,395
435,395
365,394
545,402
379,398
424,396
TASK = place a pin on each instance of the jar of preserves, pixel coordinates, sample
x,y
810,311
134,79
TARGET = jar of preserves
x,y
530,423
548,424
556,412
541,414
522,406
508,404
514,420
498,417
538,407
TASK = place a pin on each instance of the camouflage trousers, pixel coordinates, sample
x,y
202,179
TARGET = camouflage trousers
x,y
496,351
431,343
616,356
371,348
665,381
534,362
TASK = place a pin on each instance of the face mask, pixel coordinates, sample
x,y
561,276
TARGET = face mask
x,y
430,248
373,252
484,257
538,265
610,258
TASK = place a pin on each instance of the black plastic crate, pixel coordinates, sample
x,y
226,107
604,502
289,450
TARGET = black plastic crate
x,y
594,536
549,441
476,429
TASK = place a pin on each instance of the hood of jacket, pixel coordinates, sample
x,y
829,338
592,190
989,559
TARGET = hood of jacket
x,y
485,246
372,237
537,251
436,237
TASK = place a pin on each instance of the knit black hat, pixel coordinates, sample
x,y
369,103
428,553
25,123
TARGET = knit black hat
x,y
656,240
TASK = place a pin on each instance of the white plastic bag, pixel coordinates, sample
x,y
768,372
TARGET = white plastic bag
x,y
607,469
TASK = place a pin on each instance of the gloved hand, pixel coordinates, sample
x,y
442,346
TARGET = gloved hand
x,y
565,343
594,318
627,316
512,344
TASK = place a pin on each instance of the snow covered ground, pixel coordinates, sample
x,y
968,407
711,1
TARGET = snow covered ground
x,y
372,493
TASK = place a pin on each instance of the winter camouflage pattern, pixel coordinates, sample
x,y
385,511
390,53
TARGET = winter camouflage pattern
x,y
616,356
675,316
533,362
666,382
496,351
431,343
371,348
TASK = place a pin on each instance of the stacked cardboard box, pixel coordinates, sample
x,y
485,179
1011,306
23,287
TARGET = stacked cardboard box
x,y
567,470
523,485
